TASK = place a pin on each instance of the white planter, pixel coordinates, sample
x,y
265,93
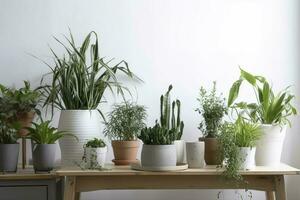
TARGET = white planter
x,y
158,155
95,156
85,124
269,147
180,151
195,154
247,155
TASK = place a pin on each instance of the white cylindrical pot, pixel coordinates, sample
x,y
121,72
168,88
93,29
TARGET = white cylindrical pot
x,y
180,151
95,156
85,125
158,155
247,156
269,146
195,154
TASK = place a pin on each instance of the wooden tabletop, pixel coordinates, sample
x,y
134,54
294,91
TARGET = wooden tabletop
x,y
27,174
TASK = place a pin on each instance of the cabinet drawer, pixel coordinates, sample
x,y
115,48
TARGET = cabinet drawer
x,y
23,192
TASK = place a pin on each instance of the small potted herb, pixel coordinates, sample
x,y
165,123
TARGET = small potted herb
x,y
124,124
43,137
95,153
212,109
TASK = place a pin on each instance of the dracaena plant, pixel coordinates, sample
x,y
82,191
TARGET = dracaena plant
x,y
270,107
80,78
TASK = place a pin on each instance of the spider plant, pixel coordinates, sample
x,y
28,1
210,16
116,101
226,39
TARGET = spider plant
x,y
79,82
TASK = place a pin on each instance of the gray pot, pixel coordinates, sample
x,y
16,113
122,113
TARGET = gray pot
x,y
9,154
43,157
158,155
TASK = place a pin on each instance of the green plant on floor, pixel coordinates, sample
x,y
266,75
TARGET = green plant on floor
x,y
8,133
212,109
241,133
44,133
269,108
95,143
80,78
125,121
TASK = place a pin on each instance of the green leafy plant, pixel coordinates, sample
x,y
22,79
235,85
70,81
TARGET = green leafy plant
x,y
44,133
212,109
8,133
125,121
95,143
269,108
79,82
170,119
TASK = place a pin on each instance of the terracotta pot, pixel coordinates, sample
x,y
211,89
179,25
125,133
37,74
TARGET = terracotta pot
x,y
25,120
125,152
211,151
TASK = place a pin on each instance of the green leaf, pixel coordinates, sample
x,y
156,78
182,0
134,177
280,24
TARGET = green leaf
x,y
249,77
234,92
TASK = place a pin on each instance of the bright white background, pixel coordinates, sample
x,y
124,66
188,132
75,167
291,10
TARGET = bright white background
x,y
188,43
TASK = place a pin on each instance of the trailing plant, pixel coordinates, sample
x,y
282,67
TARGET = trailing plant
x,y
212,109
125,121
79,82
44,133
157,135
269,108
8,133
170,119
95,143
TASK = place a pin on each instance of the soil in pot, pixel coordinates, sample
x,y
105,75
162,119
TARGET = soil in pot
x,y
9,154
125,152
211,151
43,156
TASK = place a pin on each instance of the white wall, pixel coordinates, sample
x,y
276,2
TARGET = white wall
x,y
185,42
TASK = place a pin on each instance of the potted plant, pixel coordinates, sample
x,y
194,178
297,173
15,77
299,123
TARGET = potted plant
x,y
43,137
95,153
212,109
237,146
271,111
9,147
77,88
124,124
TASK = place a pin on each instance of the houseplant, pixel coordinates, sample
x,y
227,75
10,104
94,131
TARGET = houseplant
x,y
123,126
271,111
212,109
237,146
95,153
77,88
43,137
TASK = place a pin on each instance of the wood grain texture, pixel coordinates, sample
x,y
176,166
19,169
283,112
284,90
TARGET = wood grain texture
x,y
270,195
280,193
70,184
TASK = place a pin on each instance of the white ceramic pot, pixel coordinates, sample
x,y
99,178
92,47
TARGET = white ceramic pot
x,y
247,156
158,155
85,125
95,156
180,151
195,154
269,146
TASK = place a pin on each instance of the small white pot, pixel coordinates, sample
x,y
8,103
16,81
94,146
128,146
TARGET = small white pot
x,y
269,146
158,155
195,154
180,151
95,156
247,156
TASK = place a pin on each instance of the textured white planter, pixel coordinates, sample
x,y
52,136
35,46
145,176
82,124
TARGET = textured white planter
x,y
195,154
247,155
158,155
180,151
95,156
269,147
85,124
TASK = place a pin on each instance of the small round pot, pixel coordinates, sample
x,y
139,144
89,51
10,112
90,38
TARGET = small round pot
x,y
180,151
9,154
25,120
247,156
125,152
195,154
43,157
158,155
211,151
95,156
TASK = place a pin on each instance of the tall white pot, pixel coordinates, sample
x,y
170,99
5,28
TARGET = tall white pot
x,y
269,147
247,155
180,151
85,125
195,154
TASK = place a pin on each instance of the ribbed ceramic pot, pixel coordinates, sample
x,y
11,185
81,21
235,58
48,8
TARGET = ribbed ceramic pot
x,y
85,125
43,157
9,154
158,155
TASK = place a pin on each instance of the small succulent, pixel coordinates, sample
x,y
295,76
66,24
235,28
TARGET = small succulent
x,y
95,143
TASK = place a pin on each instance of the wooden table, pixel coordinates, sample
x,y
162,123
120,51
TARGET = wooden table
x,y
270,180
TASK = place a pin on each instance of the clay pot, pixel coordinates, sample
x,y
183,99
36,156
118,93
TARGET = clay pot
x,y
125,152
25,120
211,151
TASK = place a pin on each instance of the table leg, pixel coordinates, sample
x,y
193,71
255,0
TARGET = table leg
x,y
270,195
70,184
77,196
280,193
